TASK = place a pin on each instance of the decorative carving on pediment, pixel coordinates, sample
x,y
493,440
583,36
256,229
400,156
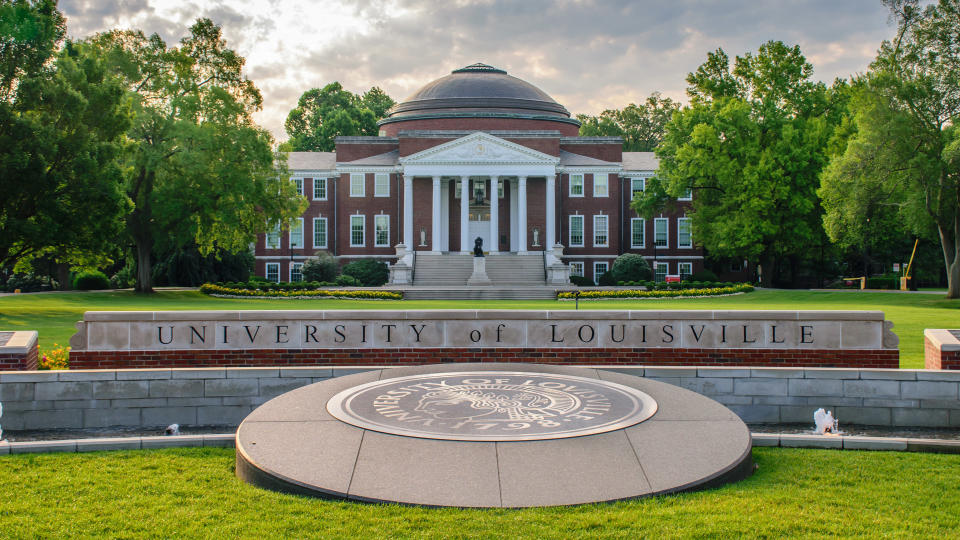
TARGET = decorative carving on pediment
x,y
479,149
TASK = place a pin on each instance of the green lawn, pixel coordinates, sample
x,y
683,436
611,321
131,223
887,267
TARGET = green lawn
x,y
54,315
193,493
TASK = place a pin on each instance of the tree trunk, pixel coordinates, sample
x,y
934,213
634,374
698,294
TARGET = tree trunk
x,y
144,264
63,276
951,256
139,223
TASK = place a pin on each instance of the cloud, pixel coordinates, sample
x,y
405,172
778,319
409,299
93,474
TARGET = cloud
x,y
587,54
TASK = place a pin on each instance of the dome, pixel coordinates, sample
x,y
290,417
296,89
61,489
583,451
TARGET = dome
x,y
479,91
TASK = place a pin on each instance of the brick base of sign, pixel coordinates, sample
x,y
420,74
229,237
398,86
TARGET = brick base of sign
x,y
856,358
935,357
20,361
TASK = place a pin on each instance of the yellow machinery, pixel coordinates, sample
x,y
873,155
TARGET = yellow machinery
x,y
906,274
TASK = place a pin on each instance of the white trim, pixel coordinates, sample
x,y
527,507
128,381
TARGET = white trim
x,y
583,230
680,270
643,233
290,271
345,168
589,169
606,177
690,198
363,185
667,231
298,181
313,173
363,222
290,235
665,272
279,234
266,271
583,185
596,277
325,233
605,218
375,185
387,243
643,185
323,181
689,233
582,268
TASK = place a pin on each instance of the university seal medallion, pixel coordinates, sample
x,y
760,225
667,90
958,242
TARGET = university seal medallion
x,y
492,406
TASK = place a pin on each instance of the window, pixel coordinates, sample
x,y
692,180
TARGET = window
x,y
296,233
660,232
599,269
381,231
381,185
456,189
600,184
320,232
576,185
273,272
356,184
683,233
273,238
296,272
576,269
576,231
660,271
600,231
687,195
357,226
319,189
500,188
637,186
685,269
299,183
637,236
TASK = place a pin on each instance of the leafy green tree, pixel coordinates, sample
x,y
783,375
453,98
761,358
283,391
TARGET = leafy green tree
x,y
197,169
61,120
903,162
750,148
641,126
321,115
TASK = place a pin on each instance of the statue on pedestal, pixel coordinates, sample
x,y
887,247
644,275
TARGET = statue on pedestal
x,y
478,247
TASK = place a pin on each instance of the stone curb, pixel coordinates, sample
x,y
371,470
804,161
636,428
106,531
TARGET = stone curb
x,y
227,440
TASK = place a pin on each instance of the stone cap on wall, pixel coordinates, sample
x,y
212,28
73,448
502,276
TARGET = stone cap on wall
x,y
20,342
945,340
270,329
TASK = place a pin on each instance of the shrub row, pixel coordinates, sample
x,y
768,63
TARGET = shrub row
x,y
636,293
212,289
263,285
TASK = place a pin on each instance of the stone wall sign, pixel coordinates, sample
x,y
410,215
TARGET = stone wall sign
x,y
244,330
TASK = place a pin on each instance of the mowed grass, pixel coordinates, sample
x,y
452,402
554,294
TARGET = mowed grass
x,y
54,315
194,493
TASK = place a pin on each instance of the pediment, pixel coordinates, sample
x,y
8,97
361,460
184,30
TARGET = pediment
x,y
479,149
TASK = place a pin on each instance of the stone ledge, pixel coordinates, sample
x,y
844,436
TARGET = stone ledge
x,y
942,339
22,342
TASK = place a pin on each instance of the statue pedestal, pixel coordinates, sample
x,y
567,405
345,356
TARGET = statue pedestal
x,y
479,276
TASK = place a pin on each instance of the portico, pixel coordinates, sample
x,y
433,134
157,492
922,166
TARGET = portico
x,y
480,186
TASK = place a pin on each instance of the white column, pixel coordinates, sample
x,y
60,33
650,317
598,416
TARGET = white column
x,y
408,211
551,211
514,213
465,246
494,215
435,220
522,215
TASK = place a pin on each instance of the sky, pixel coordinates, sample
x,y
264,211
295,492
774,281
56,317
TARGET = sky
x,y
589,55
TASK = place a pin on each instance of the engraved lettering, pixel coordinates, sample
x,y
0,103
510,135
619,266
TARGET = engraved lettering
x,y
553,334
499,328
580,333
613,334
806,332
723,333
225,334
254,335
693,330
363,333
310,332
669,333
389,327
643,333
338,330
474,336
414,327
195,334
282,333
745,340
773,335
160,335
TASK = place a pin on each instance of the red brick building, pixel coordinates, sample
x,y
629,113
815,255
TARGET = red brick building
x,y
477,154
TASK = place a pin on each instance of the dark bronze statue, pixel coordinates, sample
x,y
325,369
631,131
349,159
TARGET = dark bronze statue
x,y
478,247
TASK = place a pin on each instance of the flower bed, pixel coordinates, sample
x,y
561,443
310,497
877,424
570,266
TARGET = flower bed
x,y
637,293
219,290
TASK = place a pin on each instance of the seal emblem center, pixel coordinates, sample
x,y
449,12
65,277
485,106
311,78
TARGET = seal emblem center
x,y
492,406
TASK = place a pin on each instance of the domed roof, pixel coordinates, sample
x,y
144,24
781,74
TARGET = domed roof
x,y
479,90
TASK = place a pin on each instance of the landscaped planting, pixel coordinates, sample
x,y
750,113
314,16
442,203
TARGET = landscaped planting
x,y
188,493
293,292
669,293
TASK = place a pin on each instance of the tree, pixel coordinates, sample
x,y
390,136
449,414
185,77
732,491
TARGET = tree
x,y
197,169
640,126
905,155
321,115
61,120
750,148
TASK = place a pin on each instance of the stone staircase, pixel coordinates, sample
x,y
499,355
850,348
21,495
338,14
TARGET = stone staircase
x,y
513,277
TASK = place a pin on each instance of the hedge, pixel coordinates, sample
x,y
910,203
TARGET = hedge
x,y
636,293
218,290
